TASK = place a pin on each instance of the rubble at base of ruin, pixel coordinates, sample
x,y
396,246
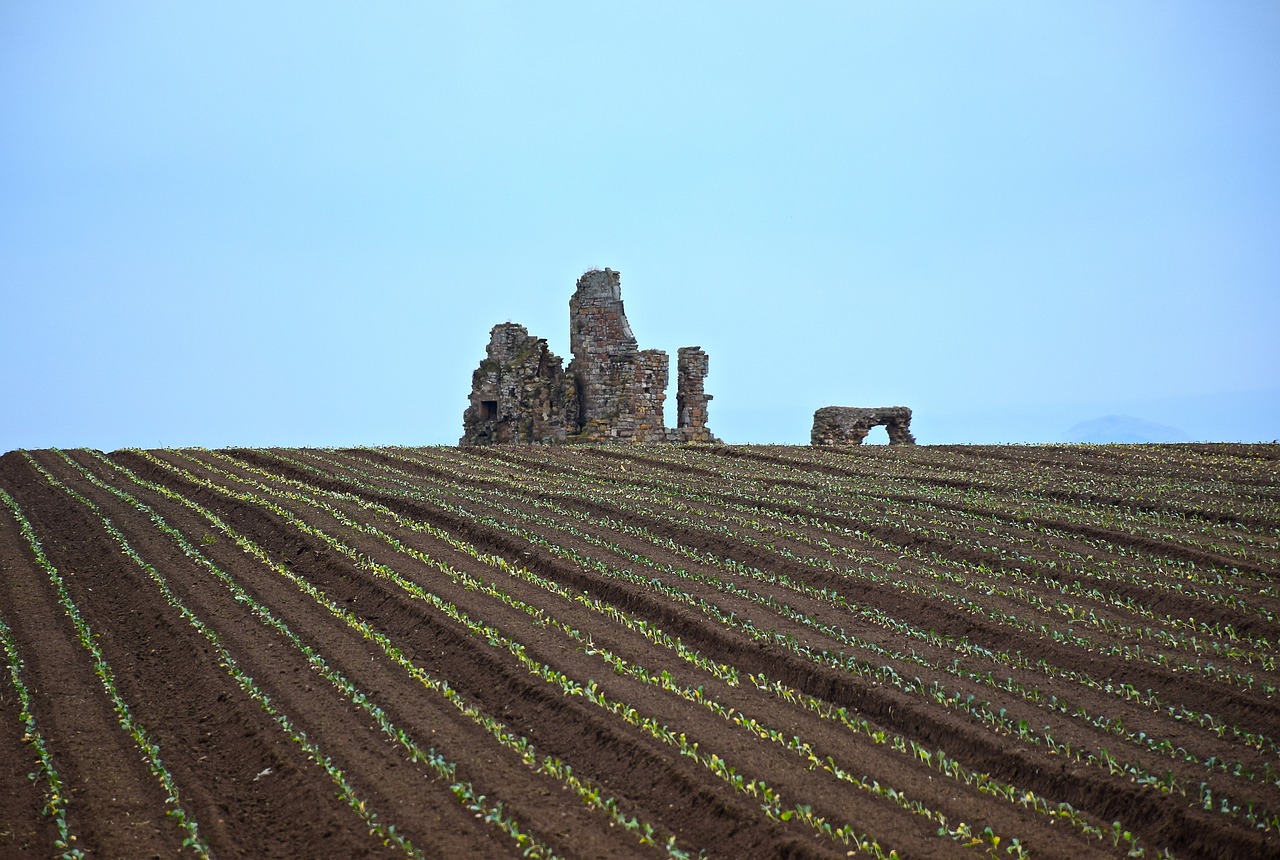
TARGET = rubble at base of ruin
x,y
848,425
612,391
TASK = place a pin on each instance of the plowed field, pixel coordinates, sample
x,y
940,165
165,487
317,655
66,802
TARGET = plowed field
x,y
735,652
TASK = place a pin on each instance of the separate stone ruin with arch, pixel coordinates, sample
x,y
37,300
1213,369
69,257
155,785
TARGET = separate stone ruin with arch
x,y
612,391
849,425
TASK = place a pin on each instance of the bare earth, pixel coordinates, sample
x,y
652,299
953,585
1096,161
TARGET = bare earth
x,y
737,652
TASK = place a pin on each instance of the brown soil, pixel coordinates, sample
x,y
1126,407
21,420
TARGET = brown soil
x,y
953,561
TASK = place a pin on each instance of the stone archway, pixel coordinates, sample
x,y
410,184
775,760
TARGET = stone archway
x,y
849,425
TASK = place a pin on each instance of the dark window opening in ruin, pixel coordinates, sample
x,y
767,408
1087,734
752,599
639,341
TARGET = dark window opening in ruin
x,y
489,409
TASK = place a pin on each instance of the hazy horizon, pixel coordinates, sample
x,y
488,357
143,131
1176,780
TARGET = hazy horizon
x,y
238,224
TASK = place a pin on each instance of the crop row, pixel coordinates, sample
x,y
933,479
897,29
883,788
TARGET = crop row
x,y
491,811
867,562
1196,483
587,689
830,595
1020,728
910,519
939,501
89,641
1008,493
899,742
56,798
731,676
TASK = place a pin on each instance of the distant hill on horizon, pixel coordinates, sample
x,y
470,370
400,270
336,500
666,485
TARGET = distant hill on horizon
x,y
1123,429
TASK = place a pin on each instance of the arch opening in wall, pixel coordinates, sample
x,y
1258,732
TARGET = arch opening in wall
x,y
877,435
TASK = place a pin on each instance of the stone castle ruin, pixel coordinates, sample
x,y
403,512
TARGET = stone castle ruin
x,y
849,425
612,391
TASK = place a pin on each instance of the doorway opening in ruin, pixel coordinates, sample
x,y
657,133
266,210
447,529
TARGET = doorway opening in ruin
x,y
488,409
877,435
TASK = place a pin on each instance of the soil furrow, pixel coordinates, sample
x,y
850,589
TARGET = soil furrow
x,y
237,768
1011,523
1196,693
1175,731
556,725
115,806
26,829
881,763
902,638
999,483
1087,789
412,795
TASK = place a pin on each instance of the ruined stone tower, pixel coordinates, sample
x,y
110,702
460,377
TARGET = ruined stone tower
x,y
691,400
612,391
621,388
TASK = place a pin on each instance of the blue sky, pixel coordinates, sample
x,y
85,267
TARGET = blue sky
x,y
294,223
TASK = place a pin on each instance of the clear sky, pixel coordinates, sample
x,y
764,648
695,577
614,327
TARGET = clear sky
x,y
295,223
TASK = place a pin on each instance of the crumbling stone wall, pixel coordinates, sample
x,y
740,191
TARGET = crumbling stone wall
x,y
612,391
621,389
519,393
691,401
847,425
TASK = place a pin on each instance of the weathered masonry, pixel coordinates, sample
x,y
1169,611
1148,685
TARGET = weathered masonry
x,y
612,391
848,425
